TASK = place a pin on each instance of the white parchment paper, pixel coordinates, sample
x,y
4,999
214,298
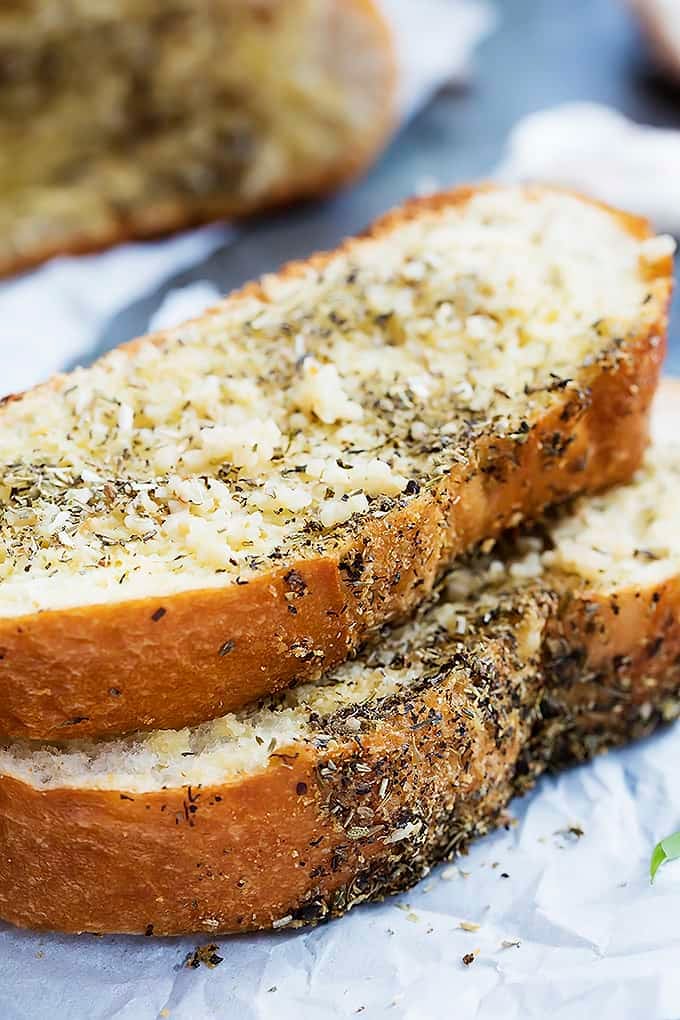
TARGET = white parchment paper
x,y
569,926
570,929
594,149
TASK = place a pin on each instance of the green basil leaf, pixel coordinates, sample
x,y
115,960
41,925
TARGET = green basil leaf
x,y
667,849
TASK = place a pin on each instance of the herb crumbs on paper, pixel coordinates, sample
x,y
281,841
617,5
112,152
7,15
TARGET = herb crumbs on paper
x,y
206,955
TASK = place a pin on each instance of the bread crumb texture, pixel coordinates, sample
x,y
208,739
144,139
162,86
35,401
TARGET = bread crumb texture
x,y
629,535
482,605
265,431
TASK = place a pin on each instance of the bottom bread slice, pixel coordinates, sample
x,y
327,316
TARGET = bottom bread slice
x,y
351,789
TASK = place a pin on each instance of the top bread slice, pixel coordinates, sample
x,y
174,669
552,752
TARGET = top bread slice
x,y
346,790
212,513
131,118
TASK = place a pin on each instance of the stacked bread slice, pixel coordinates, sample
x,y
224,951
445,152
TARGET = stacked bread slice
x,y
295,597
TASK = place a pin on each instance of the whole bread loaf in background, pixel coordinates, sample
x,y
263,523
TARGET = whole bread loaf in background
x,y
211,514
130,118
538,655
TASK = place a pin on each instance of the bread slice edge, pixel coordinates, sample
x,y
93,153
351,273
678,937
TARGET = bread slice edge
x,y
159,663
326,827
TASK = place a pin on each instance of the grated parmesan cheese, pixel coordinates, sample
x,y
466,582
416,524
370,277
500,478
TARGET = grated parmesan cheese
x,y
245,438
638,515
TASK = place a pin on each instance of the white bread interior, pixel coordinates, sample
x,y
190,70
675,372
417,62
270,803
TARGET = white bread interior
x,y
626,537
202,456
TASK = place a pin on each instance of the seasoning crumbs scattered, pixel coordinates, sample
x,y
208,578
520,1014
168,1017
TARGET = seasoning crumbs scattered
x,y
206,955
571,832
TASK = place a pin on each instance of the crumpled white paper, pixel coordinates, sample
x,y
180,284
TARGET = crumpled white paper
x,y
570,929
595,149
52,315
435,42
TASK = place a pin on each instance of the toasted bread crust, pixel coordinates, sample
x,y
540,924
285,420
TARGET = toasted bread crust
x,y
106,669
310,182
319,831
267,851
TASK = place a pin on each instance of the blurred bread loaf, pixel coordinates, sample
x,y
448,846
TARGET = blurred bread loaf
x,y
131,118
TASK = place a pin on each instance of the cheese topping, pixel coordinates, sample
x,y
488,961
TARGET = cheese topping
x,y
612,530
256,434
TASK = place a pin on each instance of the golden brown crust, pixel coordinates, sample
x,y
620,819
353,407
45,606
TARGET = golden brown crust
x,y
310,182
329,824
289,845
161,663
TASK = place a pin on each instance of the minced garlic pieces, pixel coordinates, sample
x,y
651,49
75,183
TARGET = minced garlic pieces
x,y
338,391
593,543
320,392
